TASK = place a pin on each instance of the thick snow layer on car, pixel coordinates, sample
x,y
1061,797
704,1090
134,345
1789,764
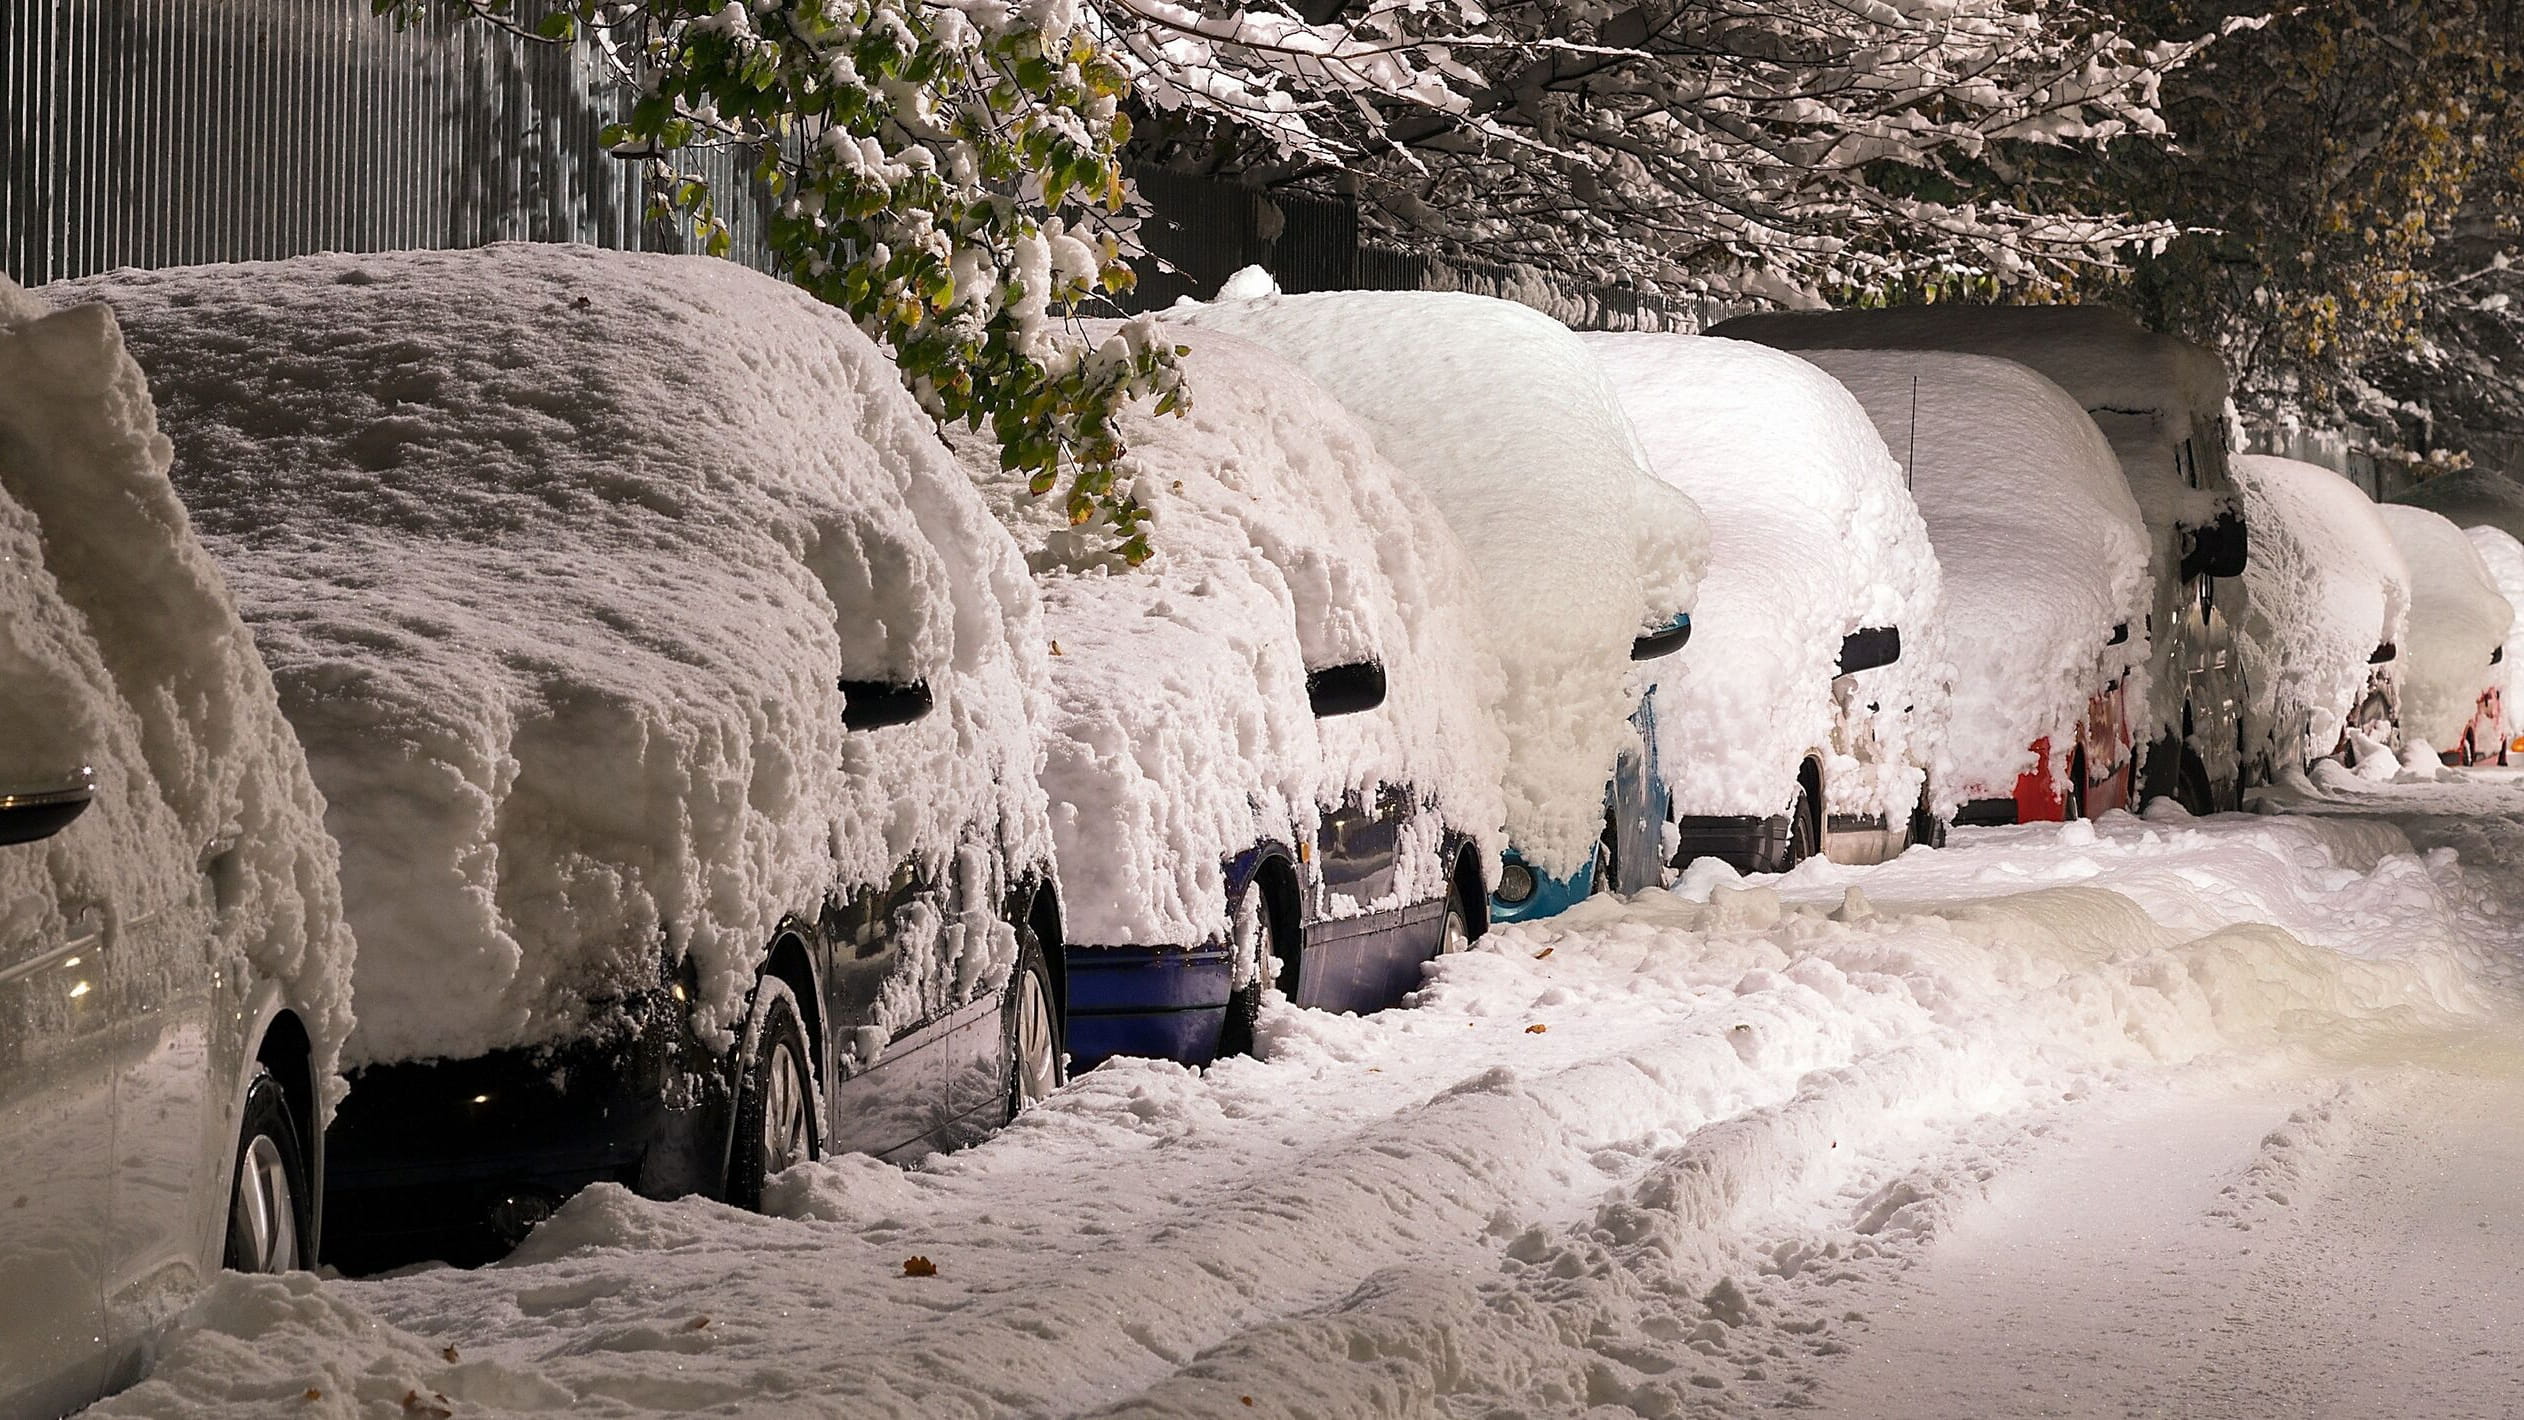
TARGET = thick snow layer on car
x,y
2458,620
2471,497
558,556
1811,537
120,649
1180,732
2325,586
1505,420
2141,388
2043,550
1701,1188
2504,557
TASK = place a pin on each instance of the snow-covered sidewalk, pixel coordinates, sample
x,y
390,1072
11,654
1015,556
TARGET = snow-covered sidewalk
x,y
1852,1135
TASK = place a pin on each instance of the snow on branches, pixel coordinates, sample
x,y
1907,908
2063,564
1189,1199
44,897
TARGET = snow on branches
x,y
943,170
1764,146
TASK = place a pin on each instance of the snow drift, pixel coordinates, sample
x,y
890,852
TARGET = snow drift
x,y
2043,551
2457,620
1503,417
2325,586
121,650
1180,732
1811,537
557,556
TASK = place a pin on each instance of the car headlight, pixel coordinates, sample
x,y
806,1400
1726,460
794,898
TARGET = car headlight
x,y
1516,883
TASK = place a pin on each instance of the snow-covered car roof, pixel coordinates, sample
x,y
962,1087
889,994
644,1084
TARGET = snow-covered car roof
x,y
121,650
2042,547
2145,390
2458,620
558,556
1504,419
2504,557
1181,732
1812,537
2471,497
2325,587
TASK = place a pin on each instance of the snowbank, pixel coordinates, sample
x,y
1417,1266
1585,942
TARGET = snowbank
x,y
1180,732
1504,419
557,556
121,650
2326,584
1811,537
2142,389
2457,619
2043,550
2504,557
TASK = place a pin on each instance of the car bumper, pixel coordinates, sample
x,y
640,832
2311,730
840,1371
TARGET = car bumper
x,y
1551,896
455,1159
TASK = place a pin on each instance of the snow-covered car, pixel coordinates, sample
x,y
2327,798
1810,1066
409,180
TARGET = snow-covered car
x,y
1269,747
671,689
1804,717
2161,402
174,969
2046,583
2452,704
2504,557
2328,606
1582,561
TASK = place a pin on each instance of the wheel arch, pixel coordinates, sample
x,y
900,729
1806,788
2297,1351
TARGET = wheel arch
x,y
794,965
1471,891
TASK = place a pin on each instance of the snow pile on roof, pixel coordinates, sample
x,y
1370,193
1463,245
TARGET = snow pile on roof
x,y
2457,620
2471,497
557,556
120,646
1504,419
1811,537
2325,585
2141,388
2504,557
1180,732
2042,547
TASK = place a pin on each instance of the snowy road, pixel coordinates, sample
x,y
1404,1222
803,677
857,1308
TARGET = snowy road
x,y
2157,1119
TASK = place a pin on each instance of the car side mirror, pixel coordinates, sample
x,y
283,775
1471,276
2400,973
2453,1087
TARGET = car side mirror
x,y
1869,647
875,704
2386,650
37,812
2497,656
2120,635
1346,690
1663,641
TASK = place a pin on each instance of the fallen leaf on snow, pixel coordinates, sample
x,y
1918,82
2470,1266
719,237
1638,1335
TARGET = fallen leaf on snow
x,y
450,1354
919,1267
1536,1028
1538,956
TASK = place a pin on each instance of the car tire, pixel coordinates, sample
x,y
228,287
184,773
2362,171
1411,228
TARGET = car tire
x,y
1239,1033
2195,791
1801,843
1926,827
269,1208
1031,1042
776,1123
2073,807
1454,926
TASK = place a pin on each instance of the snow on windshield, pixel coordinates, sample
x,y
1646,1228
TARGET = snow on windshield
x,y
2325,586
1180,732
2457,620
1811,537
558,556
1504,419
121,650
2042,547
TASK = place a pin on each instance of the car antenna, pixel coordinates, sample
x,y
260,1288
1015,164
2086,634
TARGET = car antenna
x,y
1910,468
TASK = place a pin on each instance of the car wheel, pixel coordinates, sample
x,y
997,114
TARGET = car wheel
x,y
1801,843
2194,791
1031,1026
2074,807
1454,932
775,1104
1926,827
1253,926
267,1193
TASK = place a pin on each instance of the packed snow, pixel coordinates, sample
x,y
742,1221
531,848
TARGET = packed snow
x,y
2458,620
1656,1156
558,556
1811,537
2504,557
121,651
2043,551
1180,732
2326,586
1503,417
